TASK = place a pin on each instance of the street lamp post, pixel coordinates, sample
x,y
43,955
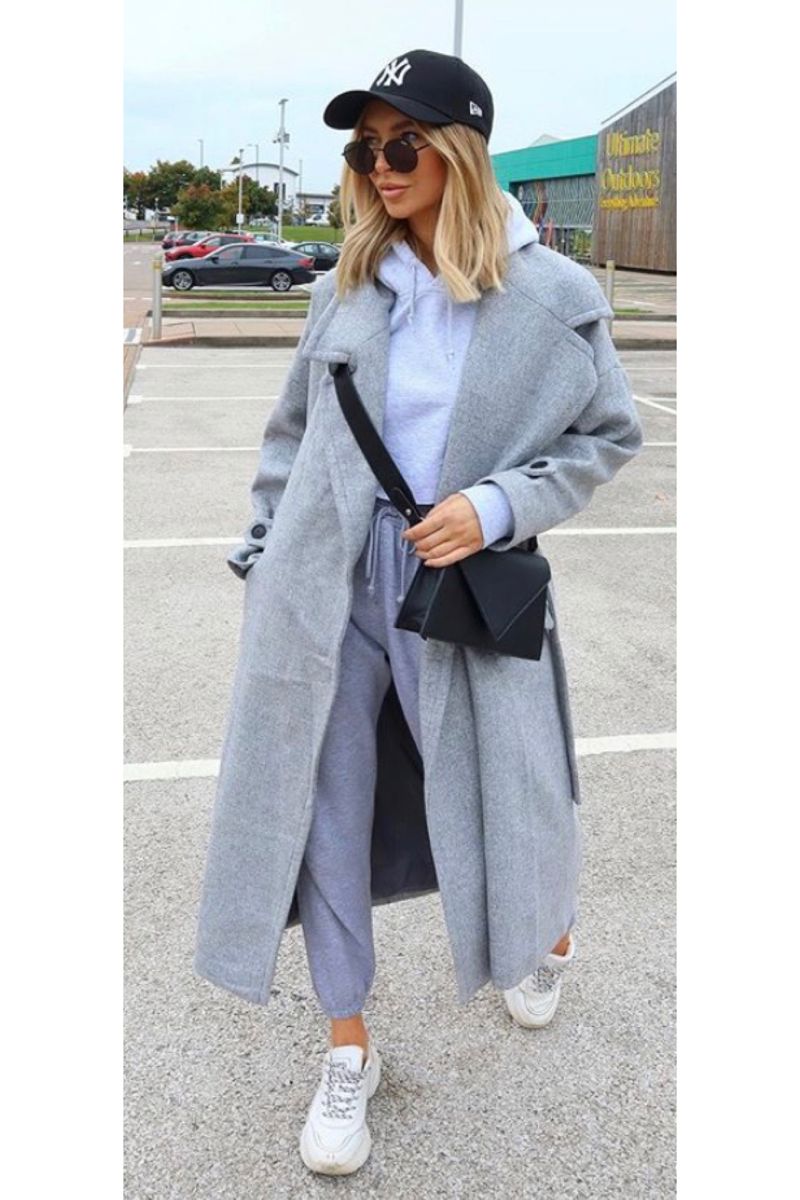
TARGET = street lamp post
x,y
258,184
282,137
239,213
459,28
200,140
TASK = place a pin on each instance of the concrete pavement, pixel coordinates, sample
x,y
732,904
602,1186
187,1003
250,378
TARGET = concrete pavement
x,y
217,1089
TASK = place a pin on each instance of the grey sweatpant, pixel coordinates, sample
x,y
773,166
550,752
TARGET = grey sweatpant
x,y
333,886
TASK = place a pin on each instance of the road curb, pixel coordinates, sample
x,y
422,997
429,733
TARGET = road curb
x,y
233,314
234,339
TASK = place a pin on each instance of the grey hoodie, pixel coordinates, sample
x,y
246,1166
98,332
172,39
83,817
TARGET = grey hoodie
x,y
429,337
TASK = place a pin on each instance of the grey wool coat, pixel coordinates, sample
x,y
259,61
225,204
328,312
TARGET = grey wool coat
x,y
488,814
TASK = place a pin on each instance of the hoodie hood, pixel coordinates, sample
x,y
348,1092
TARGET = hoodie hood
x,y
410,279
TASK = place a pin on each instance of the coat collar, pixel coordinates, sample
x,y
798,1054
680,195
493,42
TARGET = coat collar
x,y
356,330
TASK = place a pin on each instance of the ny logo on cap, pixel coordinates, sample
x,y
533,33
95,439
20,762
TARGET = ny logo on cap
x,y
474,109
393,72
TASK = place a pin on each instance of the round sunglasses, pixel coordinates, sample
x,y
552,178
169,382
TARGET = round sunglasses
x,y
399,154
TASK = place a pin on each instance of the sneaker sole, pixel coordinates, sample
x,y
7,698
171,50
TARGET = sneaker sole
x,y
522,1016
359,1155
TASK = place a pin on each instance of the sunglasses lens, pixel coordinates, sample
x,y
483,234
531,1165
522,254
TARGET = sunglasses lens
x,y
359,157
400,156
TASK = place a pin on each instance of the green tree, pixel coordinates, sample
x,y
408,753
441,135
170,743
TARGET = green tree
x,y
199,207
167,179
335,209
229,203
136,191
206,175
256,200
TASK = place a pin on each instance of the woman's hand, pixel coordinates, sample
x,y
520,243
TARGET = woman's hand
x,y
450,531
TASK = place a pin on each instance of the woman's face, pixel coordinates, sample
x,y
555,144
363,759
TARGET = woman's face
x,y
422,188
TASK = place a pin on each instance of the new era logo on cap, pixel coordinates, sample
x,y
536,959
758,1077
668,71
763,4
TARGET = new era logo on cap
x,y
475,110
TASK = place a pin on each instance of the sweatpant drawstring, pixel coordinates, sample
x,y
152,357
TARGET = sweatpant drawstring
x,y
405,549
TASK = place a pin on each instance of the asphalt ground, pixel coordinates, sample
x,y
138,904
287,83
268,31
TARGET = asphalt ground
x,y
217,1089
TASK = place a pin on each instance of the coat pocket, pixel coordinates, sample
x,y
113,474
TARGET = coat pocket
x,y
565,709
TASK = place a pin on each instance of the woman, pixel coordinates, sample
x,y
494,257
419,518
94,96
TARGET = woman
x,y
362,763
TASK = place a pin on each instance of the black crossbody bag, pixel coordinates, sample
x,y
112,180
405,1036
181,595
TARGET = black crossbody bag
x,y
490,599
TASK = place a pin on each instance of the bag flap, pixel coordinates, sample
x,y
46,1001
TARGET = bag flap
x,y
503,584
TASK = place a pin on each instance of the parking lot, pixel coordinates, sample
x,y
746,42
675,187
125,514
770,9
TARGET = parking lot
x,y
217,1089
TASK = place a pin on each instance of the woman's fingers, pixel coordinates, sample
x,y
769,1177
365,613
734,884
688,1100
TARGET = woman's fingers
x,y
450,531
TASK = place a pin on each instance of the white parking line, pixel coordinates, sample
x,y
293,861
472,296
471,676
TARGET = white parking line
x,y
656,404
189,366
208,768
169,543
624,743
610,531
189,768
139,399
191,449
128,450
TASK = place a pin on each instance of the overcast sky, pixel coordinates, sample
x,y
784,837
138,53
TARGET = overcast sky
x,y
202,70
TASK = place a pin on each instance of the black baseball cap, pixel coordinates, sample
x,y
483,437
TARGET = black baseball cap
x,y
438,88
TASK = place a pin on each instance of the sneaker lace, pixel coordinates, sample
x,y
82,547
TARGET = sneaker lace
x,y
342,1085
543,979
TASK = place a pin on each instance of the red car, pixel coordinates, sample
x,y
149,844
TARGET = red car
x,y
207,244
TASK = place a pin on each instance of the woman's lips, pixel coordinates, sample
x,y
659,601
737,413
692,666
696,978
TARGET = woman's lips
x,y
391,193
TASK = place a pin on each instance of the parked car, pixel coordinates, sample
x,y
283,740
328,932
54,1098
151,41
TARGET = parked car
x,y
266,239
325,254
186,237
250,265
212,242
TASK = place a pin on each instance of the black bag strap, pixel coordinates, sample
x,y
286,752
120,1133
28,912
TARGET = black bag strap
x,y
371,444
372,447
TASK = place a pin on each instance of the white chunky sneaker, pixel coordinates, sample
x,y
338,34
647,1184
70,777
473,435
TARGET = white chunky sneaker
x,y
533,1002
335,1138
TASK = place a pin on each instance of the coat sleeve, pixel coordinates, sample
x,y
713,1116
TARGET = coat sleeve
x,y
560,481
281,440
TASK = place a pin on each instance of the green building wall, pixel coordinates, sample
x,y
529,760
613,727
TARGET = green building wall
x,y
554,160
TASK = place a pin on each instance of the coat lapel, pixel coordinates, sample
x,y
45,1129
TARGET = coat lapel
x,y
356,330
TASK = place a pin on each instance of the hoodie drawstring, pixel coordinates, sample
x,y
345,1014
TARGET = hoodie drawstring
x,y
413,295
450,348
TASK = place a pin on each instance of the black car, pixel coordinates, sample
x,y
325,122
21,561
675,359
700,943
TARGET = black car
x,y
325,254
248,265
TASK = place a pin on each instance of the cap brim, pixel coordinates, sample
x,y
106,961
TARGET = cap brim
x,y
345,109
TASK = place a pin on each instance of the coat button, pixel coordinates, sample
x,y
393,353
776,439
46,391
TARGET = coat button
x,y
540,462
258,530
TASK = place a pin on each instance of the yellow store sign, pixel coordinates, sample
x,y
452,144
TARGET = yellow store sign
x,y
625,186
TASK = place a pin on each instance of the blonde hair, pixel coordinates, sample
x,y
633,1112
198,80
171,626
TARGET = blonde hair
x,y
470,245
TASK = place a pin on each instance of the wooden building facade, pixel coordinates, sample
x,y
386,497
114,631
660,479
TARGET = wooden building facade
x,y
635,217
